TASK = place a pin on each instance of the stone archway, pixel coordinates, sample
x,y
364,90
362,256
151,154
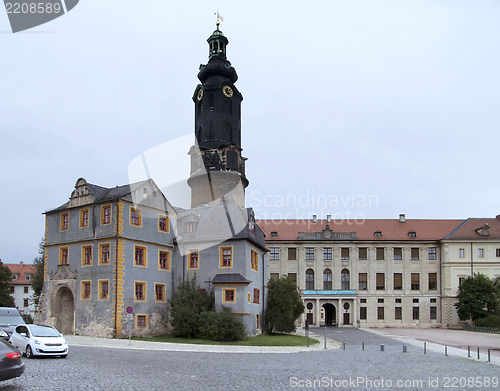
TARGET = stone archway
x,y
65,311
330,314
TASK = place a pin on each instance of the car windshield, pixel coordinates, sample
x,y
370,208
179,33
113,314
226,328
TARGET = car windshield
x,y
43,331
11,320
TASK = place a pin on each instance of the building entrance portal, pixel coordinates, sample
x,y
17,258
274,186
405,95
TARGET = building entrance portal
x,y
65,311
330,314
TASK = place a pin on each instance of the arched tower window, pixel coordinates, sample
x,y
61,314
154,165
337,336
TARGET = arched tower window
x,y
327,280
309,280
344,280
211,102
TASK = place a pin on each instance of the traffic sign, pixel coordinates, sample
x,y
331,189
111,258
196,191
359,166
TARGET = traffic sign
x,y
129,310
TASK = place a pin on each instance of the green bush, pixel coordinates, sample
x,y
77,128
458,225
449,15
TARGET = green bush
x,y
222,326
489,321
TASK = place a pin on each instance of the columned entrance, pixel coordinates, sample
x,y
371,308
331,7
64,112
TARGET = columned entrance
x,y
330,314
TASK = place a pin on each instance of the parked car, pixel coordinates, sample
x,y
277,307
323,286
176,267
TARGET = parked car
x,y
11,362
37,340
9,319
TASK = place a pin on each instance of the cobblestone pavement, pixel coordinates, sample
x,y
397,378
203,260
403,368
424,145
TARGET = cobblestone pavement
x,y
108,368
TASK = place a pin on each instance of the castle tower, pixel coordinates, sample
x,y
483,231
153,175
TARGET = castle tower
x,y
216,162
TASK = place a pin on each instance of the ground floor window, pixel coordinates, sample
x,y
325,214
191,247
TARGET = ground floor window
x,y
362,313
142,320
433,313
398,313
416,313
229,295
380,313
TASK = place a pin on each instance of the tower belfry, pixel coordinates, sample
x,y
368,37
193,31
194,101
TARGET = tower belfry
x,y
216,161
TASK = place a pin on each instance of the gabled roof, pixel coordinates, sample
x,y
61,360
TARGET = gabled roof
x,y
470,229
390,229
21,269
230,278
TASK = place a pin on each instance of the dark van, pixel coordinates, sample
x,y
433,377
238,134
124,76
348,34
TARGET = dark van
x,y
9,319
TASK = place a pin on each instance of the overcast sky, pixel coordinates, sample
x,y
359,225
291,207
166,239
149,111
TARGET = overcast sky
x,y
351,108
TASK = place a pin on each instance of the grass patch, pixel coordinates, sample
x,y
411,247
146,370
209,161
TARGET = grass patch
x,y
260,340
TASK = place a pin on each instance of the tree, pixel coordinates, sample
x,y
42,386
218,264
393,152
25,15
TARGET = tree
x,y
6,300
477,298
284,305
39,264
187,304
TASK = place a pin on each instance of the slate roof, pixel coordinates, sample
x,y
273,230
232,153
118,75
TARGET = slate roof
x,y
230,278
391,229
468,230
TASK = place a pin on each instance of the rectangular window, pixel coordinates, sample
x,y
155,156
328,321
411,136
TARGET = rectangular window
x,y
140,256
87,256
398,253
254,261
397,300
380,281
480,253
27,277
106,214
160,293
26,289
163,223
327,253
275,276
26,303
498,252
416,300
433,281
140,291
84,218
344,253
398,313
398,281
380,254
415,281
380,313
461,253
293,277
432,251
433,313
103,289
275,253
309,253
460,280
193,259
415,253
135,216
228,295
226,256
12,289
63,256
362,313
64,221
164,260
433,300
85,290
380,300
363,253
362,300
142,321
292,253
190,228
416,313
256,295
104,257
363,281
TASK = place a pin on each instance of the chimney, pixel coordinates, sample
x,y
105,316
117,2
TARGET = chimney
x,y
21,264
315,218
402,218
328,219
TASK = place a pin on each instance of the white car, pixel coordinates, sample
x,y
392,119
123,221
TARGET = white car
x,y
37,340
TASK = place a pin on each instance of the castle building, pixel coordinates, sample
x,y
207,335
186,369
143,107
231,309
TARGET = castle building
x,y
379,273
114,256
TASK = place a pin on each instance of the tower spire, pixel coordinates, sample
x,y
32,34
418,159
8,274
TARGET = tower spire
x,y
219,19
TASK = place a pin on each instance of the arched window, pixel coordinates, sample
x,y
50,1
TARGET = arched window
x,y
344,280
309,280
327,280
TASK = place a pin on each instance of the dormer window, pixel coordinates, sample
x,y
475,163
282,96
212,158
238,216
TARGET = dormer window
x,y
274,234
378,234
190,227
484,230
251,227
14,276
27,277
412,234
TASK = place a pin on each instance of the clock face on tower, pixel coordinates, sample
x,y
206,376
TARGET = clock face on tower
x,y
228,91
200,94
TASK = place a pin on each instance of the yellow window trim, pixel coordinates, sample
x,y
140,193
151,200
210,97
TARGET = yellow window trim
x,y
140,216
146,321
60,254
62,221
224,295
145,258
91,255
144,291
164,292
254,260
110,214
221,258
249,298
101,245
168,260
189,252
167,222
82,211
82,290
100,289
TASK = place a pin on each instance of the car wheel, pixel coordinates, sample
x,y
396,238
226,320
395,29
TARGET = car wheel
x,y
29,352
63,355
